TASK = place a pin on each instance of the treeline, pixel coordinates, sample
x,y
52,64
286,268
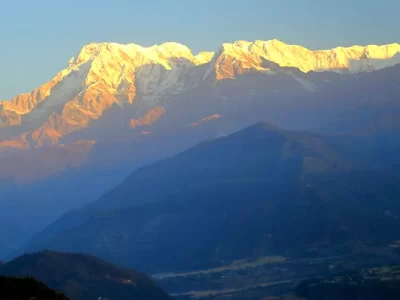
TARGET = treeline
x,y
26,288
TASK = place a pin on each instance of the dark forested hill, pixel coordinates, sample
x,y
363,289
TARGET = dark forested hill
x,y
26,289
83,277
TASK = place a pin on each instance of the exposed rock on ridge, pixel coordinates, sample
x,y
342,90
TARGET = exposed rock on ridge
x,y
242,56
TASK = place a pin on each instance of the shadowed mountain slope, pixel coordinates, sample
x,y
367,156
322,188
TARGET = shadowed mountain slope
x,y
260,191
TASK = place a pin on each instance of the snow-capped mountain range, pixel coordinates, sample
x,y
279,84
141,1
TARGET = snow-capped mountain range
x,y
143,80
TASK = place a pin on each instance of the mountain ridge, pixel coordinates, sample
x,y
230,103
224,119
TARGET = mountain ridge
x,y
354,59
135,78
107,71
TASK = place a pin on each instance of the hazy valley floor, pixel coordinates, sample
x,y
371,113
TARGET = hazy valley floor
x,y
268,277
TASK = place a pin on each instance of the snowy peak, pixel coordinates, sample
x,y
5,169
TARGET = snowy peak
x,y
100,71
100,76
139,55
203,58
243,56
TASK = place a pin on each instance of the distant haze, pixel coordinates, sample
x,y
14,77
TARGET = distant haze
x,y
38,39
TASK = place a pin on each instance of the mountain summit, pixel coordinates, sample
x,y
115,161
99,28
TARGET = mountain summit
x,y
100,76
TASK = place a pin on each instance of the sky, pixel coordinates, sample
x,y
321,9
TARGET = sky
x,y
37,38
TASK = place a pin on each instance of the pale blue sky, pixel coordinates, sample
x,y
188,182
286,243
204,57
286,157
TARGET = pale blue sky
x,y
37,38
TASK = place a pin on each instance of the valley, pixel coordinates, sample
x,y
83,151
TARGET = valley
x,y
274,279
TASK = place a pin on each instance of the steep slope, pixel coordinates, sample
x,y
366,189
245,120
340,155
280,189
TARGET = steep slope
x,y
84,277
261,191
26,288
